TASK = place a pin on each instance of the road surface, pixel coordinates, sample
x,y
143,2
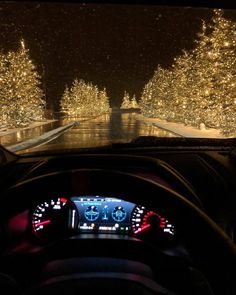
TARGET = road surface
x,y
102,130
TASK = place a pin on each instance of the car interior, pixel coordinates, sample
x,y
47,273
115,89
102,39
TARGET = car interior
x,y
152,216
180,237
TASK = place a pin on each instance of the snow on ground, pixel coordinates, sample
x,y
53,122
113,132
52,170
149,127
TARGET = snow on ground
x,y
6,131
181,129
42,139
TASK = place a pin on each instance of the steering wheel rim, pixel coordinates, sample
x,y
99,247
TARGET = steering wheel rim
x,y
209,244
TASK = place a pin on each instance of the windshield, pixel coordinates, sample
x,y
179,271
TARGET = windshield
x,y
87,75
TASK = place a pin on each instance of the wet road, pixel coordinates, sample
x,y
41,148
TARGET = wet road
x,y
99,131
13,136
107,129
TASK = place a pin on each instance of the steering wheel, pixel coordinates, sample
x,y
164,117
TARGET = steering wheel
x,y
210,248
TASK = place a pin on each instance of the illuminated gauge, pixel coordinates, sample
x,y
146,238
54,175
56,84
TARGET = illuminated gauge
x,y
54,218
137,218
144,220
119,214
91,213
105,211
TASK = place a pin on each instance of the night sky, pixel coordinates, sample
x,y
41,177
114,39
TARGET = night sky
x,y
117,47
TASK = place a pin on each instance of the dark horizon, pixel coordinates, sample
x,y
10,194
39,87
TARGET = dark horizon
x,y
117,47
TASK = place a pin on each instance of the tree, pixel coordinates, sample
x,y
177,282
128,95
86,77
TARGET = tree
x,y
156,96
21,96
3,105
66,102
224,40
215,61
182,86
103,105
84,100
126,101
200,87
134,103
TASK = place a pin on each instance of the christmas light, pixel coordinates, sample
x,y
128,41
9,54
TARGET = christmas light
x,y
21,98
199,88
128,102
84,100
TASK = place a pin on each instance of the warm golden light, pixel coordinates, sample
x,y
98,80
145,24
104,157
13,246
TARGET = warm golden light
x,y
84,100
199,88
21,97
22,44
128,102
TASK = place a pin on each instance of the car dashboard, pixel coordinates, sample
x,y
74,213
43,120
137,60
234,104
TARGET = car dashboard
x,y
61,211
94,214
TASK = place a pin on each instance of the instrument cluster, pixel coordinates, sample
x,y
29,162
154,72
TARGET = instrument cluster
x,y
61,216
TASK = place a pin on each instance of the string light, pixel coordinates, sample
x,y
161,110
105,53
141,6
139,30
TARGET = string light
x,y
199,88
21,98
84,100
128,102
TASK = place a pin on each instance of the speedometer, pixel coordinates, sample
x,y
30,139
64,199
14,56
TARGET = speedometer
x,y
144,220
54,218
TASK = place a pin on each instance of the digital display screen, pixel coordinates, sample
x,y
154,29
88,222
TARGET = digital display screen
x,y
103,215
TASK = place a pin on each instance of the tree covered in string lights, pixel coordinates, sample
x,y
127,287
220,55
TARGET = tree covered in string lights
x,y
129,102
125,101
66,102
222,93
3,106
134,103
84,100
21,97
200,88
156,94
166,95
182,81
214,69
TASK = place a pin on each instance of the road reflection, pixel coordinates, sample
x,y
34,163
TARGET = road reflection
x,y
116,127
15,136
104,130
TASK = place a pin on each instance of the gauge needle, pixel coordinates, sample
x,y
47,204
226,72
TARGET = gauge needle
x,y
141,229
43,222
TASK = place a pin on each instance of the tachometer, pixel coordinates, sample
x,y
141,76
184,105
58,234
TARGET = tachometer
x,y
54,218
